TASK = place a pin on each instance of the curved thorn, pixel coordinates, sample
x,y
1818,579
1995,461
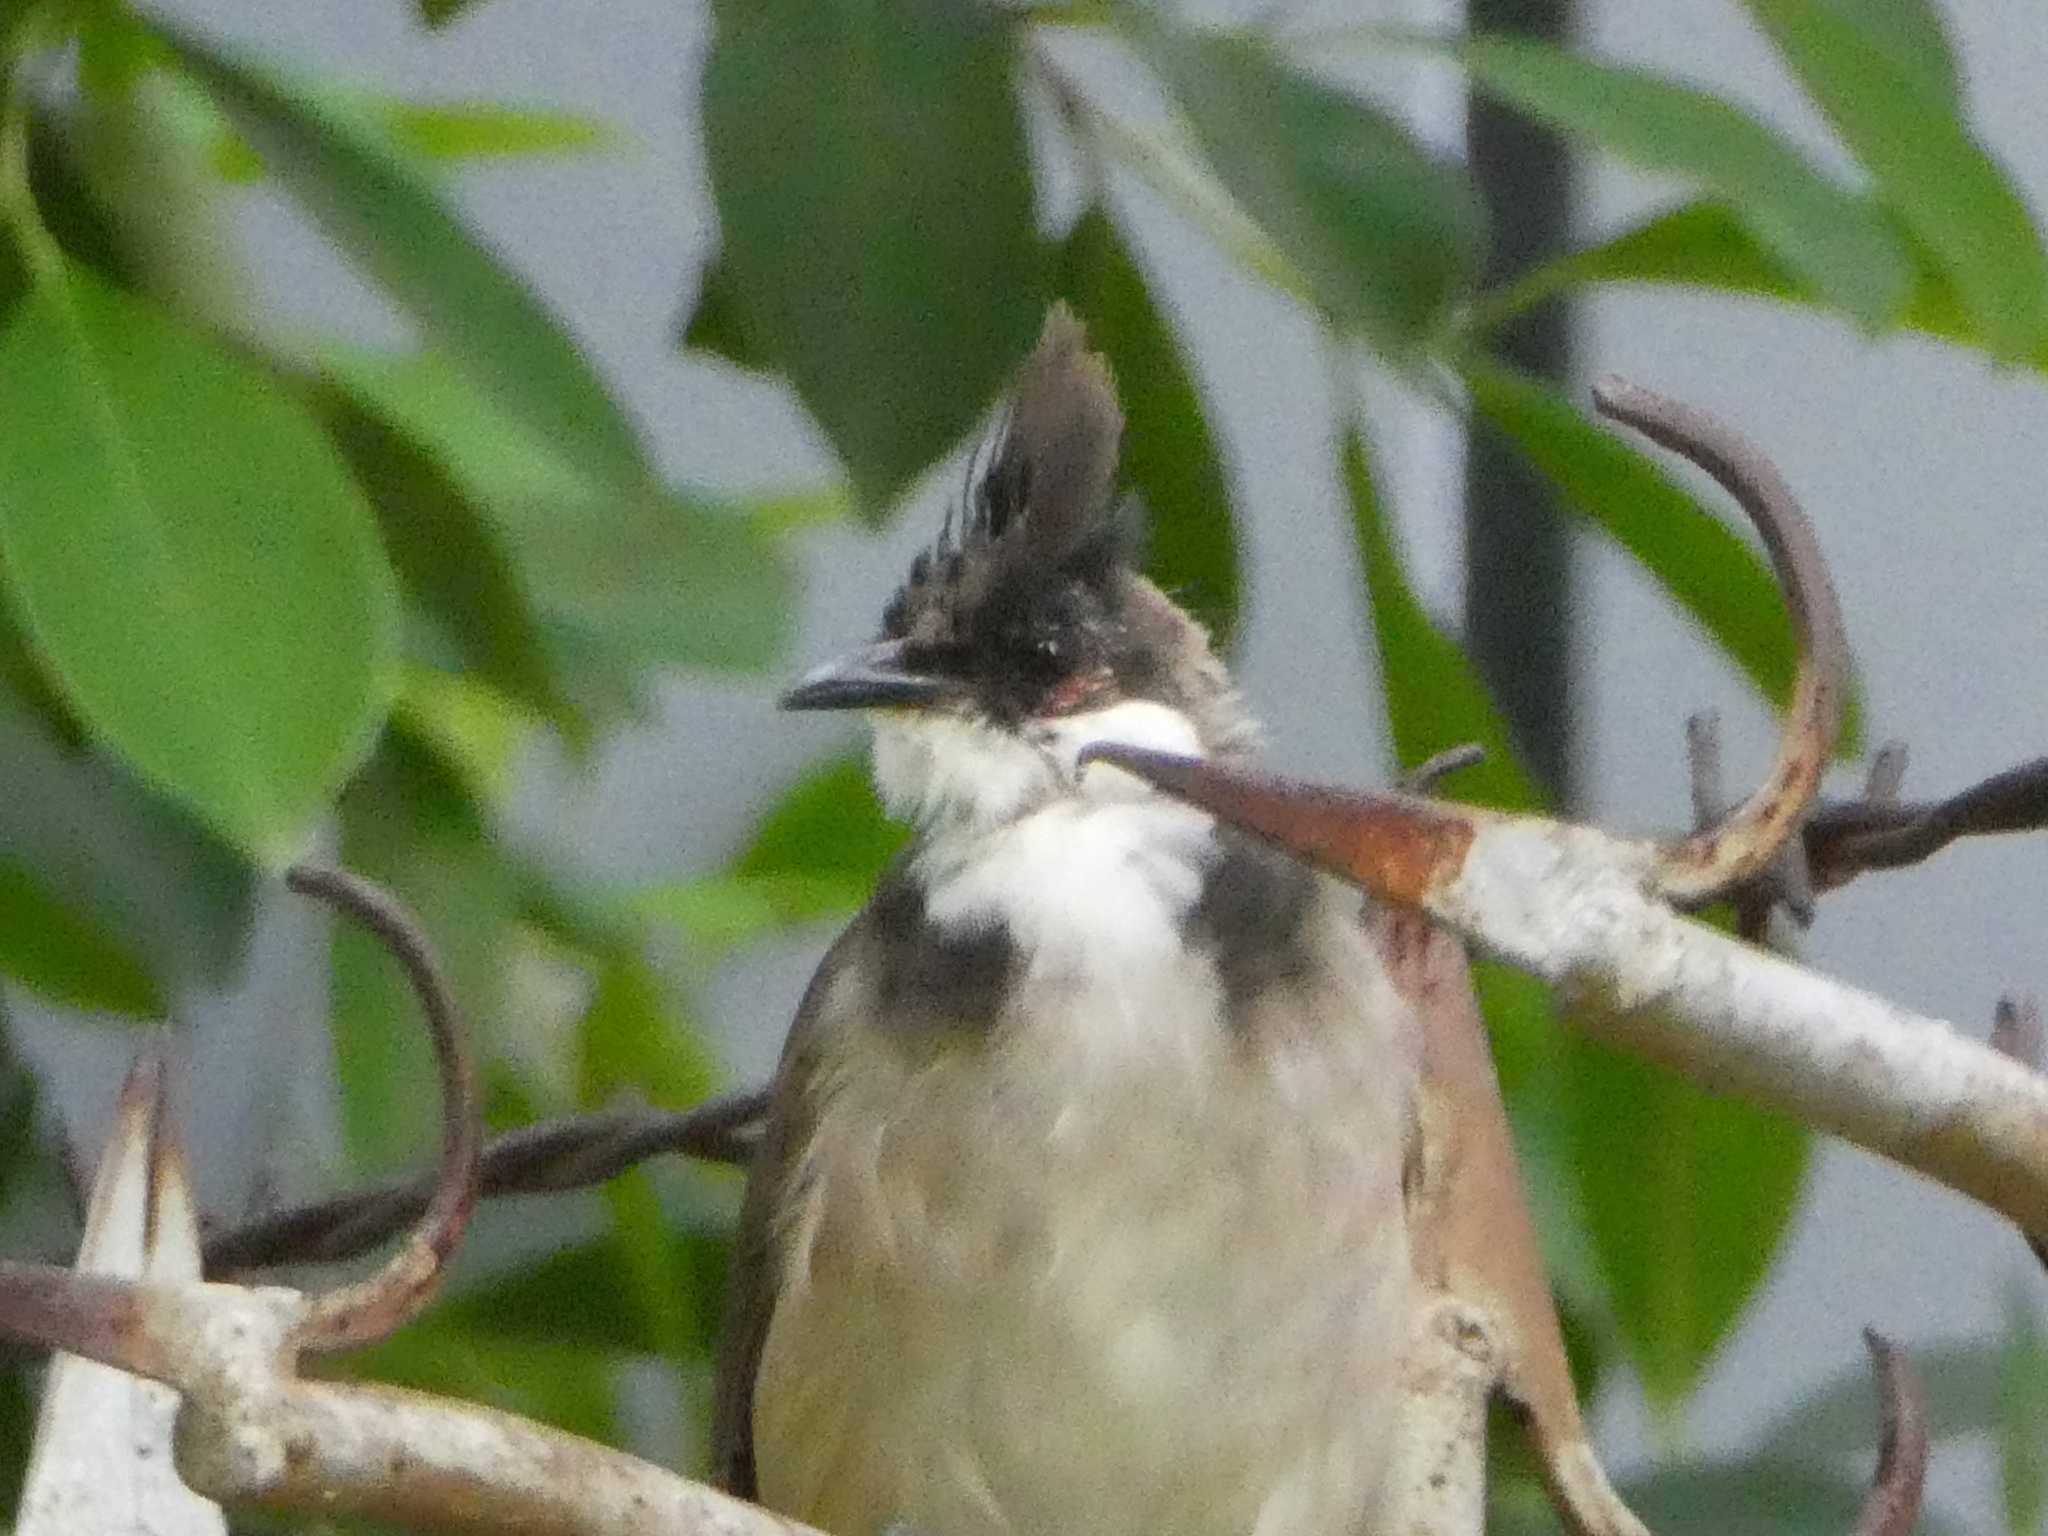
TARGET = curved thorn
x,y
1706,865
370,1309
1893,1503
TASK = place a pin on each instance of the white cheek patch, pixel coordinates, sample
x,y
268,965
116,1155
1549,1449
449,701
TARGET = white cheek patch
x,y
939,771
1133,723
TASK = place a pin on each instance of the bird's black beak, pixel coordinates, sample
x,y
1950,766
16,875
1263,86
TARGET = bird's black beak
x,y
878,677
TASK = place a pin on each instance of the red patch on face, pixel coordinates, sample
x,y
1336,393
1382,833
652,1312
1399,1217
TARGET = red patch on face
x,y
1071,695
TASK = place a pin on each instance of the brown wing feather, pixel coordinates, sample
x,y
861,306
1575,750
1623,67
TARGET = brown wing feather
x,y
751,1292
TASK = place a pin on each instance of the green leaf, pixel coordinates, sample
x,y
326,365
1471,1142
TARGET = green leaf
x,y
408,823
1169,456
1840,243
1705,245
550,1300
874,196
441,131
1697,245
377,206
1686,1198
1434,697
716,325
160,887
469,609
540,1378
633,1039
725,912
640,578
490,130
2022,1411
65,956
1386,235
828,824
815,856
1435,700
1698,560
1766,1497
190,561
1894,106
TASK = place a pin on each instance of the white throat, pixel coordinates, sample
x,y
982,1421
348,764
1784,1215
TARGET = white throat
x,y
954,778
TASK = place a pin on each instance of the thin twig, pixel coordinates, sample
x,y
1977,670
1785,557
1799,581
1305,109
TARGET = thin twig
x,y
1433,770
1707,865
573,1152
1843,840
370,1309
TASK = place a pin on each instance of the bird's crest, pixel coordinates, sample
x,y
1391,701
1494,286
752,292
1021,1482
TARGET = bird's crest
x,y
1043,512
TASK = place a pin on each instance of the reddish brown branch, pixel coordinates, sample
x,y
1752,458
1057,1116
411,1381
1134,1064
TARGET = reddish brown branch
x,y
371,1309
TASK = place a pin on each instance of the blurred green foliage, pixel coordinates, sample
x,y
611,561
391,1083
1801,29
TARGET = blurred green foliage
x,y
252,587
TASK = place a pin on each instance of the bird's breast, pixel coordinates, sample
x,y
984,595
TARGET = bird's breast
x,y
1108,1237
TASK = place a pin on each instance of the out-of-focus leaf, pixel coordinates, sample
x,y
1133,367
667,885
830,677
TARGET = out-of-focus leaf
x,y
467,603
538,1377
437,131
17,1120
1686,1198
714,324
407,822
1839,1417
2022,1411
815,856
874,197
724,912
378,207
1758,1498
490,130
1435,699
64,955
828,824
1698,245
162,889
550,1300
644,577
1709,571
1893,101
1385,234
1169,457
634,1039
470,727
1841,243
1705,245
439,13
190,562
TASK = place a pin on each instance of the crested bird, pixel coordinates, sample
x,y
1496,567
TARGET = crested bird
x,y
1080,1202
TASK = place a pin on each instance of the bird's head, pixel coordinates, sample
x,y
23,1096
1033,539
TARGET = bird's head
x,y
1026,632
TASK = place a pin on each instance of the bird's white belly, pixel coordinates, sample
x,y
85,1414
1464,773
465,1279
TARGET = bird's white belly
x,y
1128,1274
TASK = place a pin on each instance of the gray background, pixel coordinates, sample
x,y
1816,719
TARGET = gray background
x,y
1919,463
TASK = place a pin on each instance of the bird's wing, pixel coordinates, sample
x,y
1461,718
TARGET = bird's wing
x,y
755,1274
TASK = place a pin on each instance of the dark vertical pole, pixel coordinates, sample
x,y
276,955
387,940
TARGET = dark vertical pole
x,y
1519,608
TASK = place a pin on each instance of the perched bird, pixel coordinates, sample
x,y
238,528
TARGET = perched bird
x,y
1080,1205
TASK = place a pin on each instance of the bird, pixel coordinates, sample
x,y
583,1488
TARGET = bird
x,y
1080,1201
